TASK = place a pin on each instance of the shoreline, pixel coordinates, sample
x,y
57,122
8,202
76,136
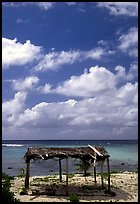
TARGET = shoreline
x,y
124,185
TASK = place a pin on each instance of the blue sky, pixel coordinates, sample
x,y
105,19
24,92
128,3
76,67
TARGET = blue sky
x,y
70,70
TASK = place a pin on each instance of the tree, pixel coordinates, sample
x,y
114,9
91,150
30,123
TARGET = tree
x,y
84,165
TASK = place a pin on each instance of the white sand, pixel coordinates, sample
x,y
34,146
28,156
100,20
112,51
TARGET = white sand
x,y
125,185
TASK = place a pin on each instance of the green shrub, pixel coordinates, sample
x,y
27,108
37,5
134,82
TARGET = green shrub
x,y
71,175
7,195
73,198
23,192
114,172
22,172
111,193
84,166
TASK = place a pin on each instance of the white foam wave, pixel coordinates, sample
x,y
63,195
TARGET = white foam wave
x,y
12,145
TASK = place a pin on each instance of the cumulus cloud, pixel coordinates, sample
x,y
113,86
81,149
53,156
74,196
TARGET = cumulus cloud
x,y
54,60
113,114
96,53
133,71
128,42
98,80
42,5
25,84
15,105
45,89
16,53
120,8
105,110
130,75
45,5
71,3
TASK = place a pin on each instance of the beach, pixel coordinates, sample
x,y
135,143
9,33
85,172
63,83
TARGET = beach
x,y
124,188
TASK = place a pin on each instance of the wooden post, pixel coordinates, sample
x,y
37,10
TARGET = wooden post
x,y
66,175
102,162
95,174
27,175
108,167
60,170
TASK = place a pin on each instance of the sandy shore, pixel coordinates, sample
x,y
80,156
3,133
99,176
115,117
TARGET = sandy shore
x,y
49,189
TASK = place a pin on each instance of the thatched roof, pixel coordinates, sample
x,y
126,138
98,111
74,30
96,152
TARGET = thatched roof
x,y
90,152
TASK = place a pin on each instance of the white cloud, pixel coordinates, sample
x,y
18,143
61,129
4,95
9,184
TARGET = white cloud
x,y
54,60
16,53
15,105
130,75
106,110
45,89
98,80
103,42
128,93
113,114
42,5
45,5
133,71
12,4
71,3
25,84
94,82
120,8
19,20
96,53
128,42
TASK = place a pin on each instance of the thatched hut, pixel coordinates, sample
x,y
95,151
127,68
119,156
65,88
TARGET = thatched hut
x,y
94,154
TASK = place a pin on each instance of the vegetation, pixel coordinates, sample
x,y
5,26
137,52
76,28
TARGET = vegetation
x,y
23,192
73,198
7,195
22,173
84,166
111,193
71,175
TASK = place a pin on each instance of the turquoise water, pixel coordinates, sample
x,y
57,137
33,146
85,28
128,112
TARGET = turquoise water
x,y
123,155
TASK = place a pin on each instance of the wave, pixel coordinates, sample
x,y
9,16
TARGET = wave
x,y
12,145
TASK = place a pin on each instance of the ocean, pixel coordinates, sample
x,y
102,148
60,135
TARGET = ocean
x,y
123,155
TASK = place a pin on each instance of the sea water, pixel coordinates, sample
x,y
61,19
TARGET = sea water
x,y
123,155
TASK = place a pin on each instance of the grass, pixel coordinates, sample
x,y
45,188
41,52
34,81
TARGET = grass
x,y
7,195
73,198
70,175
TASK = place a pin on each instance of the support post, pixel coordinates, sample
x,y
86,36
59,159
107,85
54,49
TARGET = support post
x,y
108,167
95,174
102,163
27,174
66,175
60,170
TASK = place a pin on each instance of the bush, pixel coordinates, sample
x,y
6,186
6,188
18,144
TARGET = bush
x,y
71,175
84,166
23,192
111,193
22,173
73,198
7,195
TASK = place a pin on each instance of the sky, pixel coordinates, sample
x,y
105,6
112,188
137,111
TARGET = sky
x,y
69,70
